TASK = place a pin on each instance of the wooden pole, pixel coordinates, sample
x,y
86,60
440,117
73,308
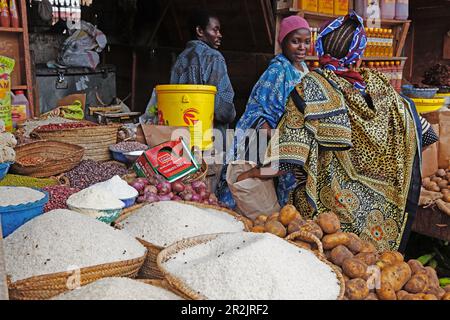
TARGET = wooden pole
x,y
3,284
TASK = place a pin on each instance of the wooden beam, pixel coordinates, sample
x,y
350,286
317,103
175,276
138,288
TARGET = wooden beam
x,y
177,23
249,17
133,81
158,24
3,283
401,43
268,22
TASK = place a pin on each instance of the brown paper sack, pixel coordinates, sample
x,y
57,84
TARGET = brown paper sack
x,y
155,135
430,157
444,139
253,197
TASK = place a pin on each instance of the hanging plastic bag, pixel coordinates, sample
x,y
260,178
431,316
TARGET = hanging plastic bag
x,y
151,112
82,48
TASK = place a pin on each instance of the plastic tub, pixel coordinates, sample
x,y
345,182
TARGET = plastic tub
x,y
4,168
402,9
424,93
133,156
387,9
191,106
119,156
107,216
428,105
13,217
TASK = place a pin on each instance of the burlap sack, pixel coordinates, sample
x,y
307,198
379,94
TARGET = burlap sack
x,y
253,197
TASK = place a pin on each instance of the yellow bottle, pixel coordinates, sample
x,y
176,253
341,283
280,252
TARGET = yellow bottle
x,y
369,42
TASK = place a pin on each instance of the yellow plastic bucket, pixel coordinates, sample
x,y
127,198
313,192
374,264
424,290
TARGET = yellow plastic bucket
x,y
428,105
190,106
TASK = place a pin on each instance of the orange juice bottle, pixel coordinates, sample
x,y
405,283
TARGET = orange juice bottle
x,y
369,42
371,65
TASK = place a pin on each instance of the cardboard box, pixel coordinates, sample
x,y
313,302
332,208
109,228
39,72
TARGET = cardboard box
x,y
326,6
341,7
308,5
173,160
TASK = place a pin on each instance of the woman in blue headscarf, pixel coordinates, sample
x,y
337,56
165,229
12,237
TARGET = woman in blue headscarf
x,y
267,101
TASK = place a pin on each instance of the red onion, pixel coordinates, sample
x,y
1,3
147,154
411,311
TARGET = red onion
x,y
187,196
212,202
213,197
164,198
196,198
151,197
178,186
176,198
153,181
151,189
144,181
198,184
205,202
139,186
203,194
164,188
141,199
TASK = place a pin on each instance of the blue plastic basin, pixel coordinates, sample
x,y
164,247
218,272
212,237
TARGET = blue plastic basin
x,y
119,156
12,217
4,168
129,202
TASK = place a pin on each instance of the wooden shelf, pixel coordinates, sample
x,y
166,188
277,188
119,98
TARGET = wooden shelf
x,y
313,58
13,30
325,16
21,87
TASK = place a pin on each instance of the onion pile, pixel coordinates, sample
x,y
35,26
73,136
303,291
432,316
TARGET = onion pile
x,y
157,189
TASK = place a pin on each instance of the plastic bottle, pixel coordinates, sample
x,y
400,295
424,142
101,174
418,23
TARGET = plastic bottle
x,y
14,14
387,9
392,70
5,19
402,10
368,52
20,107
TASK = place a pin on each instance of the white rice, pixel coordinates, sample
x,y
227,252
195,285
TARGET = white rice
x,y
14,196
250,266
63,240
118,289
164,223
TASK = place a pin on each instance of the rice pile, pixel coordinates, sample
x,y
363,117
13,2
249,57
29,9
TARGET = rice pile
x,y
118,289
164,223
63,240
14,196
251,266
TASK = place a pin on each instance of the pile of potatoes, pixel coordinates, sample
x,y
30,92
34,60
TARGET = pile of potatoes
x,y
368,274
439,182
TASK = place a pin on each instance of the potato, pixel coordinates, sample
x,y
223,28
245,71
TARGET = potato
x,y
426,181
329,222
417,296
443,184
397,275
415,266
354,268
433,279
273,217
437,291
401,294
372,296
346,278
447,288
312,227
340,254
386,292
430,297
391,257
436,179
303,244
368,247
446,197
327,254
446,296
355,244
417,284
331,241
261,220
288,214
367,257
258,229
294,226
356,289
276,228
441,173
432,186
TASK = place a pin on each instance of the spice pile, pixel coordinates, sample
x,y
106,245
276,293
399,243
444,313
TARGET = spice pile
x,y
250,266
63,240
30,125
90,172
63,126
95,199
164,223
118,289
438,75
118,188
25,181
58,196
128,146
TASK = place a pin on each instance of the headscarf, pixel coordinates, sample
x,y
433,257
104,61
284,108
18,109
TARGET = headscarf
x,y
355,51
290,24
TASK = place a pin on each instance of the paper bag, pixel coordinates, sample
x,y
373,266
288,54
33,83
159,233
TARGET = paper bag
x,y
253,197
155,135
444,139
430,157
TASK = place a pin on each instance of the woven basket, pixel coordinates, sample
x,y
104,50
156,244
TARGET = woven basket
x,y
200,175
177,283
150,269
59,157
50,285
95,140
164,285
306,236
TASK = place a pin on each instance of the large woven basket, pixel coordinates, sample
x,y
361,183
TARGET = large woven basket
x,y
50,285
58,157
177,283
95,139
164,285
150,268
